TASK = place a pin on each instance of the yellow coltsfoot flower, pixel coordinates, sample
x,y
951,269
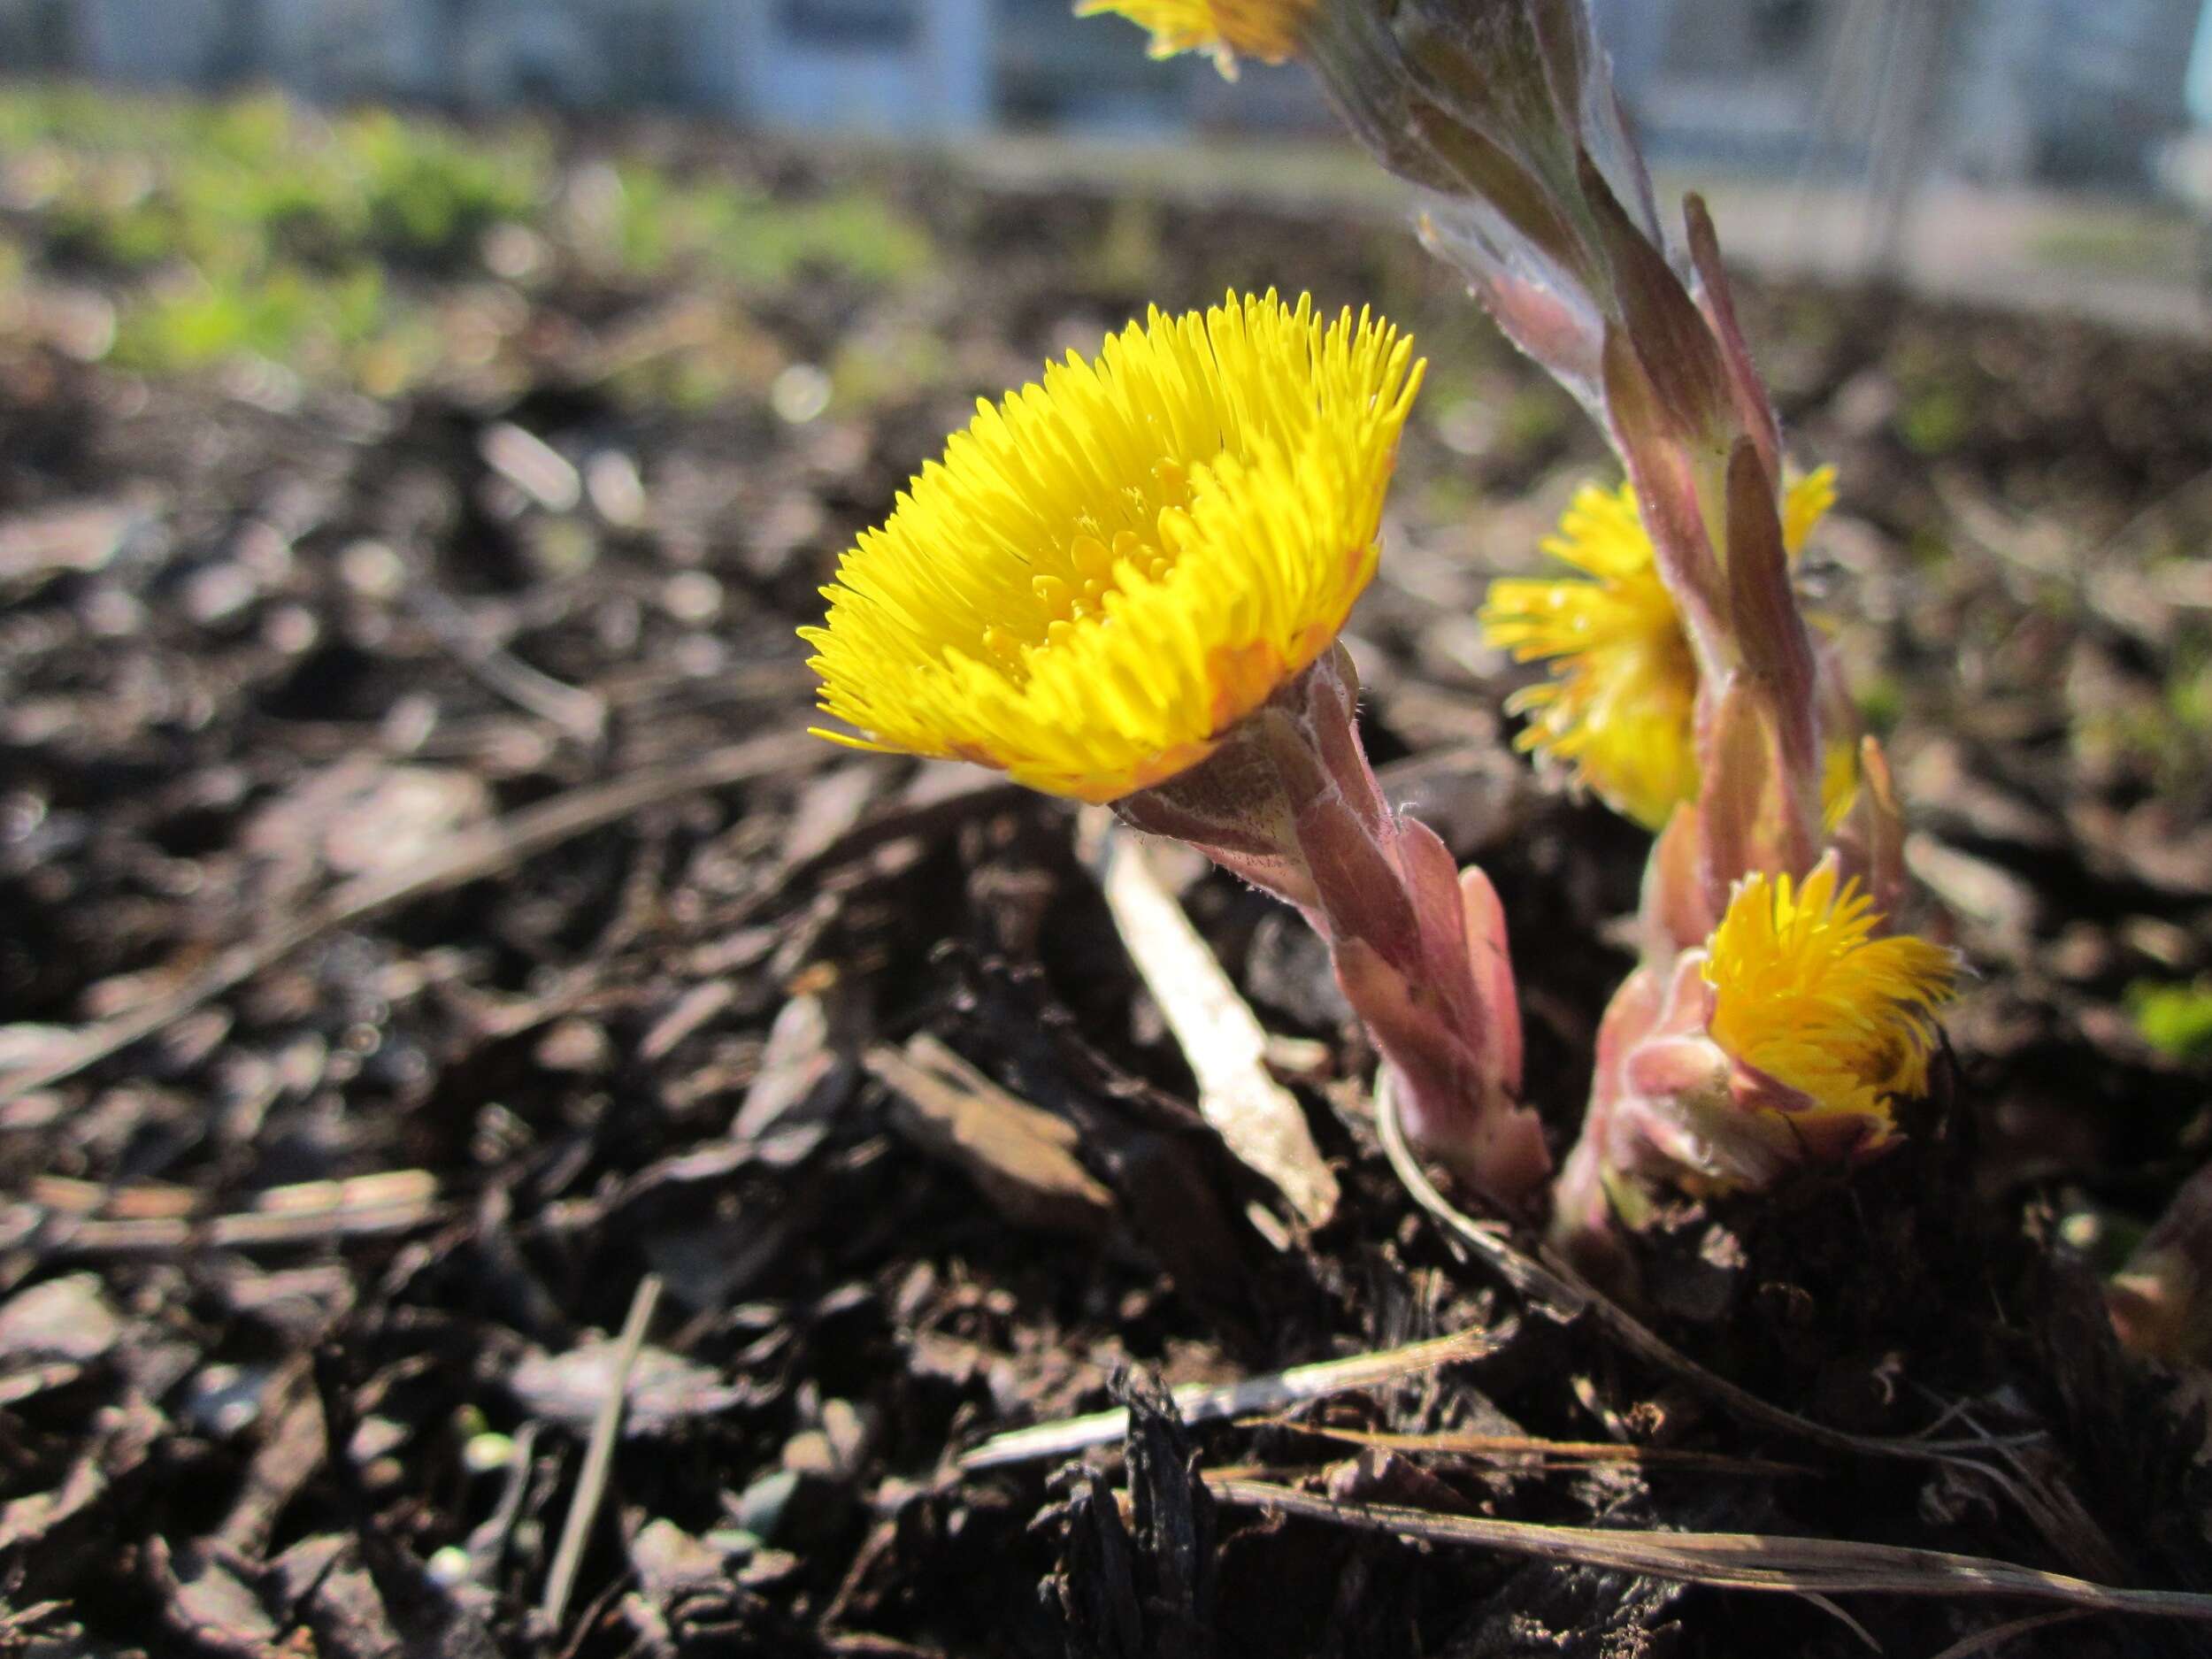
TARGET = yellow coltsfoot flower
x,y
1108,570
1786,1038
1266,29
1124,585
1807,997
1618,706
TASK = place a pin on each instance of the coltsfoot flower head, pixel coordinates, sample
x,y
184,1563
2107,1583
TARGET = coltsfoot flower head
x,y
1266,29
1108,570
1786,1039
1805,994
1618,707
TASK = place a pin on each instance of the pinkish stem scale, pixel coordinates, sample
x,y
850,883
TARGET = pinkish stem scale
x,y
1289,802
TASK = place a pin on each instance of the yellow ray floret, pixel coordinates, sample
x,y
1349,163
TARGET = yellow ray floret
x,y
1619,705
1805,992
1266,29
1108,570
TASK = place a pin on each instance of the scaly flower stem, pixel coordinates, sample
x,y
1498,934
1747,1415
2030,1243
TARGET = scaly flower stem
x,y
1289,802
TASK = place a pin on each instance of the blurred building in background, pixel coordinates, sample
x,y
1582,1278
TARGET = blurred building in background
x,y
2069,91
2061,91
2074,92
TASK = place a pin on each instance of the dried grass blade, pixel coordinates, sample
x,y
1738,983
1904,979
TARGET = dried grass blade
x,y
1733,1560
1989,1640
1562,1454
1204,1402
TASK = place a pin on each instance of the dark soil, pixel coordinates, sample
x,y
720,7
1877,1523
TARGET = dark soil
x,y
307,1294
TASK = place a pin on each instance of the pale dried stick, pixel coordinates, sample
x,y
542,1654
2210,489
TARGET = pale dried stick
x,y
361,1206
591,1480
1257,1117
1734,1561
1201,1402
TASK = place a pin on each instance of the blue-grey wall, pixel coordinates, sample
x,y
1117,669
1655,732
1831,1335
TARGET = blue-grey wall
x,y
866,65
2070,91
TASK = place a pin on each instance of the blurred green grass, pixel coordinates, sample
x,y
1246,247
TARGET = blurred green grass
x,y
333,245
2174,1018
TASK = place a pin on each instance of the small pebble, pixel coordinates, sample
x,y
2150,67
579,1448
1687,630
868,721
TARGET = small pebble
x,y
575,1045
760,1507
811,1453
611,481
224,1399
218,592
767,1567
734,1541
372,570
691,596
487,1452
291,630
2082,1231
1468,426
800,393
109,613
514,252
533,465
848,1434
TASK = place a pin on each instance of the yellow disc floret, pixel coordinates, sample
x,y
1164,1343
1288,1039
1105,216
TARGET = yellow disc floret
x,y
1805,502
1266,29
1109,570
1618,706
1807,993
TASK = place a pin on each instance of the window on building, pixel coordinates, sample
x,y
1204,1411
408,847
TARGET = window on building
x,y
1782,28
872,25
1715,39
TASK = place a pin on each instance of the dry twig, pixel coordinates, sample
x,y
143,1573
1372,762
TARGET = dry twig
x,y
591,1480
1731,1561
64,1215
1023,1158
1989,1640
1524,1449
1201,1402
